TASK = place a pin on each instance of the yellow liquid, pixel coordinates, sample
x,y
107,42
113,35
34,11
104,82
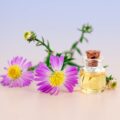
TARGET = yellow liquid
x,y
92,82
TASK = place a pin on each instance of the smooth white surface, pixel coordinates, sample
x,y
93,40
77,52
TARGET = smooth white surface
x,y
28,104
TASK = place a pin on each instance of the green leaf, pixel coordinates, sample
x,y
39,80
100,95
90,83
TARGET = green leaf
x,y
65,58
74,45
68,60
105,66
38,44
109,78
79,51
59,54
48,44
47,61
73,64
32,68
43,40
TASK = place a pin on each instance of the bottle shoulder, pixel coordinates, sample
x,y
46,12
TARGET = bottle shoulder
x,y
94,69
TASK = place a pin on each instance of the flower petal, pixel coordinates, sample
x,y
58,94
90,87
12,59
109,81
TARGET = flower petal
x,y
46,88
54,91
5,80
71,73
42,72
56,62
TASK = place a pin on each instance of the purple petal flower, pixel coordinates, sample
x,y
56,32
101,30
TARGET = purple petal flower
x,y
51,81
17,73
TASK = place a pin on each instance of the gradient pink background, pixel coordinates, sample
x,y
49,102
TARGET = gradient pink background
x,y
58,21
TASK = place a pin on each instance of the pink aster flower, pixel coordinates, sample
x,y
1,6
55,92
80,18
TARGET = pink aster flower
x,y
50,81
17,74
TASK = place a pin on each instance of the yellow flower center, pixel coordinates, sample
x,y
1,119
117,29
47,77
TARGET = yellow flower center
x,y
57,78
14,72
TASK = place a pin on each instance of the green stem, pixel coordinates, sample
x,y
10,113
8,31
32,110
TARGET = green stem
x,y
73,48
82,37
40,42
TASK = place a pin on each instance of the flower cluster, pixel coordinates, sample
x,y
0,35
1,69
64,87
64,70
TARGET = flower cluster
x,y
50,80
57,71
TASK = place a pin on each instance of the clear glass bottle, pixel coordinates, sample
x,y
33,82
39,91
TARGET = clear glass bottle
x,y
92,76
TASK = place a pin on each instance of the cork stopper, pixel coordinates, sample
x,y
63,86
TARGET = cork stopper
x,y
93,56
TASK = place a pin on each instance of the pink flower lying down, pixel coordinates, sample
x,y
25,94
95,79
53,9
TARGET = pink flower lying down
x,y
17,73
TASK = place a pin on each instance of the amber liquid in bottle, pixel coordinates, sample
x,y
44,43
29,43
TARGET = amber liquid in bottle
x,y
92,82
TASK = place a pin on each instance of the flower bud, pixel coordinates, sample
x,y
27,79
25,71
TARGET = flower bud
x,y
29,36
87,28
112,84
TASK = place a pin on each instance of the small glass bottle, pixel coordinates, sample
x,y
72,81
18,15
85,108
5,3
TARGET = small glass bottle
x,y
93,75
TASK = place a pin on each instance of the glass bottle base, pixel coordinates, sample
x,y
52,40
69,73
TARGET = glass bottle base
x,y
88,91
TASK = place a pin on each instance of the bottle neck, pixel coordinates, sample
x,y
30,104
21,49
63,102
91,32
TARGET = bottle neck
x,y
92,63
